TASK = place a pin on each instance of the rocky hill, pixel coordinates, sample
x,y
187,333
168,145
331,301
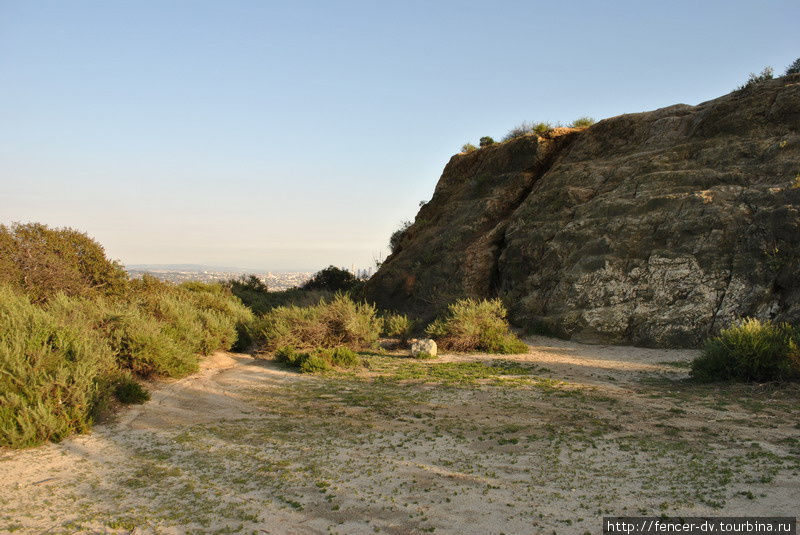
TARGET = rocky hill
x,y
653,228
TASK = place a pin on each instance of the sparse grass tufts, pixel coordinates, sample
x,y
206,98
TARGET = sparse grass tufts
x,y
751,350
471,325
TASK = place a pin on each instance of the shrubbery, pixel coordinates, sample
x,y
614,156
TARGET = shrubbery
x,y
332,279
338,322
471,325
468,147
65,350
756,79
524,129
318,360
397,236
54,371
751,350
582,122
398,326
794,68
42,262
485,141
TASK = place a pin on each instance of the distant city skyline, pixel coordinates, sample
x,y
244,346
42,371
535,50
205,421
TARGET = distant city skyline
x,y
292,136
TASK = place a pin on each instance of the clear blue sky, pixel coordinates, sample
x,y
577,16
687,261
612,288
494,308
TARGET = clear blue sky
x,y
293,135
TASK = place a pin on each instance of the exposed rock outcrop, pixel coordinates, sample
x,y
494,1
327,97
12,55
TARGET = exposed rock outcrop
x,y
653,228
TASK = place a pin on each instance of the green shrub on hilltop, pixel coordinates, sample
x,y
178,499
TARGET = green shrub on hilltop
x,y
468,147
582,122
471,325
485,141
338,322
755,79
525,128
520,130
751,350
794,68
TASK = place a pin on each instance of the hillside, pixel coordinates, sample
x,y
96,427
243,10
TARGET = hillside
x,y
652,228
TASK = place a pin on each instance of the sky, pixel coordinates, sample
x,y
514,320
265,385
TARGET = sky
x,y
292,135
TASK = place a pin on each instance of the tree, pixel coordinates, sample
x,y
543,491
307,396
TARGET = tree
x,y
332,279
794,68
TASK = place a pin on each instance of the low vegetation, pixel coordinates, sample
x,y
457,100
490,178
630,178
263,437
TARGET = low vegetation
x,y
794,68
398,326
398,235
318,360
755,79
471,325
468,147
485,141
74,330
751,350
582,122
341,321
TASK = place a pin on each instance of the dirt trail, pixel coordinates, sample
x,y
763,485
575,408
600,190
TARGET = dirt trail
x,y
245,446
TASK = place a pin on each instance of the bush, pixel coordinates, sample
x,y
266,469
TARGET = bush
x,y
582,122
398,326
471,325
524,129
751,350
339,322
520,130
42,262
54,371
756,79
344,357
794,68
485,141
129,391
332,279
468,147
318,360
64,346
397,236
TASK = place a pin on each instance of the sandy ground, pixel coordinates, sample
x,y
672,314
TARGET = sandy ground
x,y
546,442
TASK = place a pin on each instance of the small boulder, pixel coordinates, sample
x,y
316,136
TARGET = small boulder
x,y
423,348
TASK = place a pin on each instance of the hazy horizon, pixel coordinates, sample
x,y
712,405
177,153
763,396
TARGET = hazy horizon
x,y
289,137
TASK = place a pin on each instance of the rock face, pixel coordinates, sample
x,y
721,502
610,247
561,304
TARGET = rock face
x,y
654,228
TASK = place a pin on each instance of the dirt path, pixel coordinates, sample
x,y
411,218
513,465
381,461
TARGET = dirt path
x,y
544,442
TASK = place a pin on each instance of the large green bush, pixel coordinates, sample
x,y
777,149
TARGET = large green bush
x,y
73,327
471,325
42,262
54,370
751,350
338,322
